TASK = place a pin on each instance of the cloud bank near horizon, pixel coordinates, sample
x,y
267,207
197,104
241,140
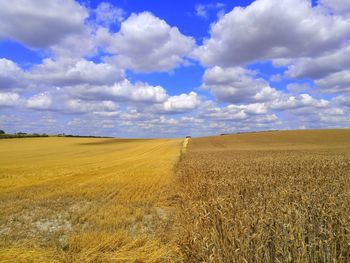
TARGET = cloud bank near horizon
x,y
273,64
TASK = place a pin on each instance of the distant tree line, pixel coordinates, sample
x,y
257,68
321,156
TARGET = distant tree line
x,y
242,132
4,135
81,136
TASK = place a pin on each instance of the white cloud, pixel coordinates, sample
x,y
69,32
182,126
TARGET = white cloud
x,y
310,41
299,88
191,120
343,100
40,23
310,117
228,113
330,72
203,10
80,106
272,29
106,113
146,43
68,72
11,76
40,102
82,44
107,14
237,85
276,78
163,121
241,114
287,102
255,108
9,99
181,103
60,101
320,66
338,7
338,82
123,91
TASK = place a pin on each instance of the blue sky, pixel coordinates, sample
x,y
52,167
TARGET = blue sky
x,y
171,68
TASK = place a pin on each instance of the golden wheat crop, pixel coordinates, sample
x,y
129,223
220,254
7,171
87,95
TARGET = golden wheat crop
x,y
265,197
260,197
86,200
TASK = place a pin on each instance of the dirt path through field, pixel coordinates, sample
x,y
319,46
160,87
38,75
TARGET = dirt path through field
x,y
184,145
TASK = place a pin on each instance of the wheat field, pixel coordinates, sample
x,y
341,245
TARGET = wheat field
x,y
265,197
280,196
86,200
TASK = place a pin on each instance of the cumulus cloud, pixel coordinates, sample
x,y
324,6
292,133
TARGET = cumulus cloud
x,y
53,26
40,23
254,108
230,112
87,46
332,117
311,42
203,10
272,29
11,76
320,66
338,7
338,82
59,101
181,103
41,101
80,106
237,85
69,72
233,118
276,78
122,91
107,14
343,100
330,71
138,95
146,43
287,102
299,88
8,99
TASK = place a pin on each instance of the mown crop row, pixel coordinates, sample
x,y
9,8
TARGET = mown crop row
x,y
85,199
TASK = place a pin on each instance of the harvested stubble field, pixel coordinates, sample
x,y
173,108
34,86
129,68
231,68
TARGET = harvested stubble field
x,y
265,197
86,200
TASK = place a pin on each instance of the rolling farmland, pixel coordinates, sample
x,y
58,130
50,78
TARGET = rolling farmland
x,y
279,196
85,200
236,123
266,197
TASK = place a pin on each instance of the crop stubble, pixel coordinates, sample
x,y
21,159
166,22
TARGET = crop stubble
x,y
85,200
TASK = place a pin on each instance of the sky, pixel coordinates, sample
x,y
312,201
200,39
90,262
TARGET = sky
x,y
137,68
